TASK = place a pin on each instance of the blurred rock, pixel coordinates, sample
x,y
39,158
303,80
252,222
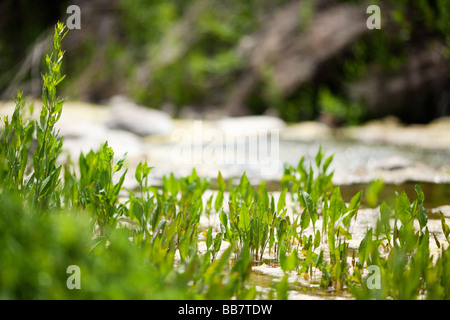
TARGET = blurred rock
x,y
120,141
389,131
189,112
445,210
250,124
127,115
83,127
392,163
306,131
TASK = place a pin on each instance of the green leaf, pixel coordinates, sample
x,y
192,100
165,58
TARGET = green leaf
x,y
336,205
403,208
317,240
445,228
282,228
219,201
365,247
44,188
420,194
244,218
217,242
306,201
209,239
221,182
422,216
184,247
282,201
138,173
304,220
209,204
224,219
385,213
319,157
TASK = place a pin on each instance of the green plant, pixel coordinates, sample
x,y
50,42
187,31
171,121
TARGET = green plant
x,y
305,184
94,189
408,270
16,140
37,183
46,172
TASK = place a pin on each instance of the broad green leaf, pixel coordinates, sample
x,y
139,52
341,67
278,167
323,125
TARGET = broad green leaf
x,y
219,201
304,220
282,201
209,239
403,208
336,205
365,247
317,240
306,201
224,219
168,231
217,242
282,228
244,218
385,213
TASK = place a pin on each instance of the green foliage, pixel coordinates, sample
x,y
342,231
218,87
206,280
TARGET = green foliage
x,y
94,189
146,245
303,182
206,63
15,140
339,108
408,269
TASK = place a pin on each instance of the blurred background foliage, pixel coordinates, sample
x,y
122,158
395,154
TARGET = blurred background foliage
x,y
232,57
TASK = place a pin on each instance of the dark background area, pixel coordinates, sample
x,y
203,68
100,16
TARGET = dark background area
x,y
300,60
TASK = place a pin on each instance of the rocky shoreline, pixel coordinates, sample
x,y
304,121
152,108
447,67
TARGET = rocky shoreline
x,y
382,149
